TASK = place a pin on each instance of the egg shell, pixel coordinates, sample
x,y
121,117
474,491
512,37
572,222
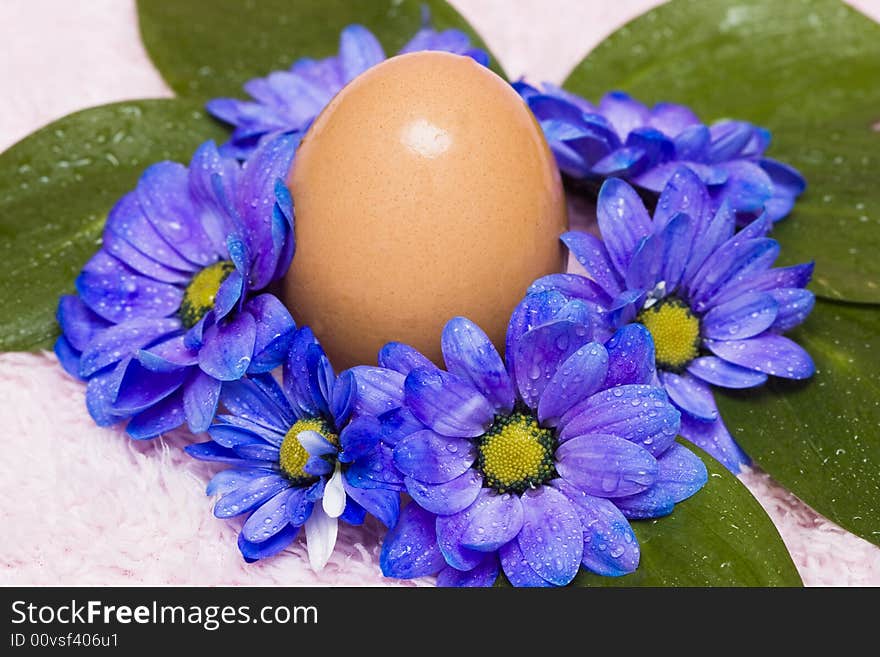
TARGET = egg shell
x,y
425,190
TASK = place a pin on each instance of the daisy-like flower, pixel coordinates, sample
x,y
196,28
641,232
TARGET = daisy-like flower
x,y
292,99
623,138
709,295
298,453
170,307
533,467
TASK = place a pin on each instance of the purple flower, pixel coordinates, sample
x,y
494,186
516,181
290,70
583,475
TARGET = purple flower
x,y
292,99
709,295
623,138
534,466
170,308
297,453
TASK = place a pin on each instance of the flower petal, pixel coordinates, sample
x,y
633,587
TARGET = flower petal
x,y
593,256
449,532
229,347
321,532
579,376
492,520
315,444
714,438
253,494
159,418
449,497
551,538
795,305
432,458
296,372
748,187
275,331
655,502
447,404
378,391
163,194
769,353
678,239
681,472
376,470
410,549
269,519
610,545
727,375
122,340
727,265
402,358
333,501
200,397
744,317
358,51
623,221
232,436
265,231
171,354
624,113
672,119
605,466
517,568
481,576
538,354
67,356
690,394
140,388
573,286
383,504
78,323
641,414
470,355
630,357
226,481
358,438
127,223
245,400
268,548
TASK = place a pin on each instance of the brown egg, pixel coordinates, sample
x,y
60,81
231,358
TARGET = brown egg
x,y
423,191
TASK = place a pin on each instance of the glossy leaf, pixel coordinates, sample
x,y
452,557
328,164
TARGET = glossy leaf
x,y
719,537
56,188
207,50
821,438
806,70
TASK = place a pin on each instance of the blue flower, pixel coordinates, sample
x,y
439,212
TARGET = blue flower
x,y
534,466
297,453
623,138
171,307
291,100
709,295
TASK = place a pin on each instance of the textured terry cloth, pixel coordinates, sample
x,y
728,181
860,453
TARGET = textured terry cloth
x,y
83,505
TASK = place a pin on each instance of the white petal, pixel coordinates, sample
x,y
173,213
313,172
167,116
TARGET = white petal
x,y
320,537
334,494
314,443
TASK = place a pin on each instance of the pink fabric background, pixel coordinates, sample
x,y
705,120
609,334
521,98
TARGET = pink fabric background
x,y
83,505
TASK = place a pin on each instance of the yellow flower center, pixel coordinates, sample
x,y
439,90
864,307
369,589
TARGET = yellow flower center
x,y
676,333
294,456
516,453
198,298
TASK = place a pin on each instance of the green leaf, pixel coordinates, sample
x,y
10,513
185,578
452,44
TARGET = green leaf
x,y
719,537
821,438
56,188
207,50
809,71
